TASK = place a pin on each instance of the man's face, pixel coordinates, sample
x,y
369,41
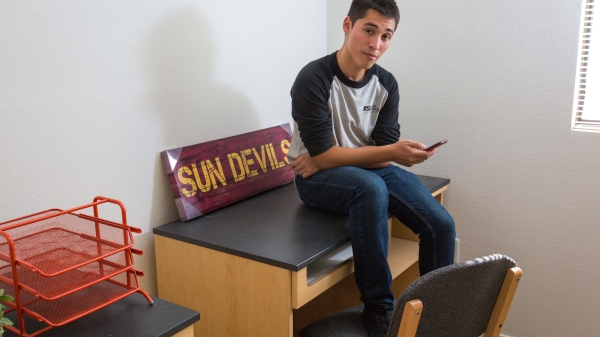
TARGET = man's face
x,y
368,38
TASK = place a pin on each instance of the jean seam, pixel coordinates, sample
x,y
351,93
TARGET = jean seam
x,y
362,245
431,229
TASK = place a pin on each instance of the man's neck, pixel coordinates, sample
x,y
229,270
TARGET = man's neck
x,y
348,67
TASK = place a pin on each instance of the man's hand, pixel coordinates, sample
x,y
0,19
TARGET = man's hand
x,y
409,153
304,165
403,152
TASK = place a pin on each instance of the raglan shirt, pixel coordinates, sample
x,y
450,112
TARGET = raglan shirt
x,y
331,110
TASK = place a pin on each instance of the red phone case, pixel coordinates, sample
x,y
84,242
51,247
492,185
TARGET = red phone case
x,y
440,143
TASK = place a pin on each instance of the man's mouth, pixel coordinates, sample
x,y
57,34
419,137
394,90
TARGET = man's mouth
x,y
371,56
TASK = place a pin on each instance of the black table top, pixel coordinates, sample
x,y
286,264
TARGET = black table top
x,y
274,227
128,317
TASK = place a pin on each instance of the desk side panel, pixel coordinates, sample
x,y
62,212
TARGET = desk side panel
x,y
235,296
188,332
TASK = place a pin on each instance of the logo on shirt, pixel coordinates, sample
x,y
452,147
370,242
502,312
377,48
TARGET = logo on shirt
x,y
372,108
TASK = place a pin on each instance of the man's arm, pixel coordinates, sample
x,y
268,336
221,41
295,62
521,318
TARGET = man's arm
x,y
403,152
380,165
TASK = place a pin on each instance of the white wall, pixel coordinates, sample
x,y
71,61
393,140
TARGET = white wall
x,y
92,91
496,78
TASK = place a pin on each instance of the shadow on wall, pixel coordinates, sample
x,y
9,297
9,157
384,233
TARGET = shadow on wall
x,y
190,103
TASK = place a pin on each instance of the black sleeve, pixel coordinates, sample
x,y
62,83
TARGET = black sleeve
x,y
310,93
387,129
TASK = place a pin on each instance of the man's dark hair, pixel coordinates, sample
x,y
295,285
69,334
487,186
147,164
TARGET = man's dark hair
x,y
387,8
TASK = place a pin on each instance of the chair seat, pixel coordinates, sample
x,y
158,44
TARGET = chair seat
x,y
346,323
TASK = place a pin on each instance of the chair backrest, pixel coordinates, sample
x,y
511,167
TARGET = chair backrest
x,y
460,299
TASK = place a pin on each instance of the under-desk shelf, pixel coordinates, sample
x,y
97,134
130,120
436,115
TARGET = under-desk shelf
x,y
319,276
328,263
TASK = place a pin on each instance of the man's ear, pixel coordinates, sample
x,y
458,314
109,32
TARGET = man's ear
x,y
347,25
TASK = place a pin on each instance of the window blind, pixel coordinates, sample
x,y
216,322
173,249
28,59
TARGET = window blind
x,y
586,106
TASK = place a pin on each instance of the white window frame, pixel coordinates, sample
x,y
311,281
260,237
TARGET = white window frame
x,y
585,33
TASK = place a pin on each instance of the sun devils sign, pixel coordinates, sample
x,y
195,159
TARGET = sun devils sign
x,y
210,175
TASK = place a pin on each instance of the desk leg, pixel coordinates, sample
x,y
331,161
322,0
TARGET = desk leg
x,y
235,296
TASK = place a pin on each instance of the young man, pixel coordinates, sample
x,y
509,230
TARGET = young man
x,y
346,135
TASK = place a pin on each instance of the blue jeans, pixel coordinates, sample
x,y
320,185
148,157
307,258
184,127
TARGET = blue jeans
x,y
369,197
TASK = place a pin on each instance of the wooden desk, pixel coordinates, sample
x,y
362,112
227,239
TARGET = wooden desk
x,y
245,267
132,316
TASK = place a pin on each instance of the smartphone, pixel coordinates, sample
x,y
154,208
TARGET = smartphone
x,y
440,143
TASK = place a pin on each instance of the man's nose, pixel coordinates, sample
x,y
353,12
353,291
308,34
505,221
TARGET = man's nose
x,y
374,43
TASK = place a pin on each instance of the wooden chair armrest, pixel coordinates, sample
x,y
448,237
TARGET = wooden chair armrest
x,y
410,318
505,297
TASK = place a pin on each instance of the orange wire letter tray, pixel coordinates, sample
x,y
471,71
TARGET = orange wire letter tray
x,y
61,265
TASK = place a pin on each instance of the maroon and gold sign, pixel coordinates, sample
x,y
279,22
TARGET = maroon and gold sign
x,y
210,175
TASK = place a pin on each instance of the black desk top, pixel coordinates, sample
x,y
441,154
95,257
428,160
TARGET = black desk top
x,y
274,227
128,317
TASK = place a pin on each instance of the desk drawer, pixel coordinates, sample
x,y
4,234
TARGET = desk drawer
x,y
305,286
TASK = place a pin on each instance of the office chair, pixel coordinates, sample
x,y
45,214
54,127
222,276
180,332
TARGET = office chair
x,y
465,299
